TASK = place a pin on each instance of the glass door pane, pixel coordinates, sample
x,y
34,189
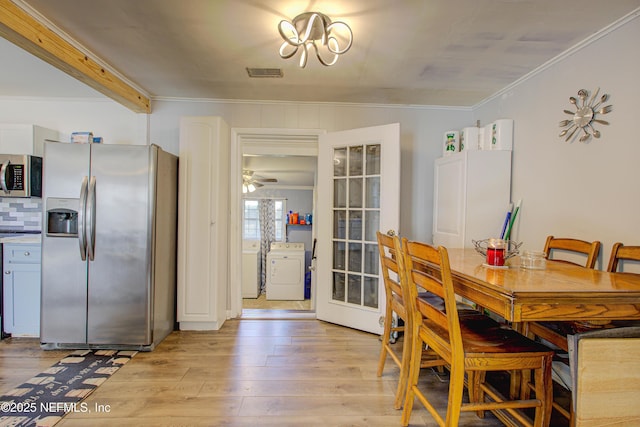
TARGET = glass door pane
x,y
356,218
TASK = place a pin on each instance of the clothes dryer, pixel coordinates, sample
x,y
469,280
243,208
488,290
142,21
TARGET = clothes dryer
x,y
285,271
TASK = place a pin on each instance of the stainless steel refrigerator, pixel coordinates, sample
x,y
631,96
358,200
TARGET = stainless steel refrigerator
x,y
108,246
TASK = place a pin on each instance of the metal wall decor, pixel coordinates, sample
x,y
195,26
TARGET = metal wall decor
x,y
585,115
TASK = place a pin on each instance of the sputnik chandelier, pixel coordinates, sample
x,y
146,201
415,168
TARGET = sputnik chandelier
x,y
313,30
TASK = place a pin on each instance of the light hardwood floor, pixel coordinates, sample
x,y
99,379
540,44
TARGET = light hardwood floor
x,y
264,304
250,373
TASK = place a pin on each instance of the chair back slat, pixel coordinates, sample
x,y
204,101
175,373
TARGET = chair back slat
x,y
590,249
389,263
395,287
426,282
388,258
619,252
431,311
391,266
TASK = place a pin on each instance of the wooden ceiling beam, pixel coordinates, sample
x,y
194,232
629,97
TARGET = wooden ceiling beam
x,y
22,29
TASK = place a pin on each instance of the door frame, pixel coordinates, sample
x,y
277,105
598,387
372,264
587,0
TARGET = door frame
x,y
267,141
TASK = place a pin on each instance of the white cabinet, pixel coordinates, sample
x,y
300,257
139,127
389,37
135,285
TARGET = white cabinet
x,y
21,289
25,139
203,223
472,190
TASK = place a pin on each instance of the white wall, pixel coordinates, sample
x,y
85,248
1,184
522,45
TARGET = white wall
x,y
108,119
421,131
574,189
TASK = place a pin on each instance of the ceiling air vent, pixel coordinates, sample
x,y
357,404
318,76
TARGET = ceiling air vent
x,y
264,72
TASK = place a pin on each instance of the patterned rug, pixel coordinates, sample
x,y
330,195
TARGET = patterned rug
x,y
46,398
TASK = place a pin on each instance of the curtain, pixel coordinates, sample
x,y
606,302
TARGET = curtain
x,y
267,212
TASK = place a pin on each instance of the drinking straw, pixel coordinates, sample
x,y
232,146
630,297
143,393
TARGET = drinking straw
x,y
506,220
513,219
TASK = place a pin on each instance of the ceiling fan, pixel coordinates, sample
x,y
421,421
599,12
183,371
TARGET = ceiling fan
x,y
251,181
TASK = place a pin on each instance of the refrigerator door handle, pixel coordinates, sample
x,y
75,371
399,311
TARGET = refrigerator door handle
x,y
3,177
82,237
91,218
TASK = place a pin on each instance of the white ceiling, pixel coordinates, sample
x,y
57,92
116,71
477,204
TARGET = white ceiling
x,y
290,171
423,52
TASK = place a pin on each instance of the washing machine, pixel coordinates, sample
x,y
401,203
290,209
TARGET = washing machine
x,y
285,271
250,268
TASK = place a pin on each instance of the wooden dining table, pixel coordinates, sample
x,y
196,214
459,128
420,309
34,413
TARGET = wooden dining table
x,y
559,292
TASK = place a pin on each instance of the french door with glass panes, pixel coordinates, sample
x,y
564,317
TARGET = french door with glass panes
x,y
358,194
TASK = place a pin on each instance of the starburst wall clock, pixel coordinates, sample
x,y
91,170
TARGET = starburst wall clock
x,y
585,115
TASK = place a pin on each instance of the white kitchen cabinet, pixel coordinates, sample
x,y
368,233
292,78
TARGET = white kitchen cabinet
x,y
203,223
21,289
472,191
25,139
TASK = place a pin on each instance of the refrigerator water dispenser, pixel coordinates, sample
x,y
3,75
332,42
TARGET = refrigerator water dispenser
x,y
62,217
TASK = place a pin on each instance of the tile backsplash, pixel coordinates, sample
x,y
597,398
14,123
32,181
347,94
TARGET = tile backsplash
x,y
17,214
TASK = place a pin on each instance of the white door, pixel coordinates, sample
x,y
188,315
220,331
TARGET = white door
x,y
358,194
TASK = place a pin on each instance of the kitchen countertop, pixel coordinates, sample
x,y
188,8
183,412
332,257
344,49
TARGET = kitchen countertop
x,y
22,238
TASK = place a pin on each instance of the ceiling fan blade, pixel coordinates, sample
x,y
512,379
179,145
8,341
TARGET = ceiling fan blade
x,y
250,176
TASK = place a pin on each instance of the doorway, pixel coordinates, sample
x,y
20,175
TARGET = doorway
x,y
283,163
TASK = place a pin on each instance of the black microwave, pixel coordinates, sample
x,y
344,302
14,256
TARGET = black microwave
x,y
20,175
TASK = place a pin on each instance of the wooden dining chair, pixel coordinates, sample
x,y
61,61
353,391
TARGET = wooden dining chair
x,y
620,252
559,249
391,261
556,332
468,347
394,311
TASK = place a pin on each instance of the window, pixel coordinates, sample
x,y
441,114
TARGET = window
x,y
251,223
251,219
280,220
